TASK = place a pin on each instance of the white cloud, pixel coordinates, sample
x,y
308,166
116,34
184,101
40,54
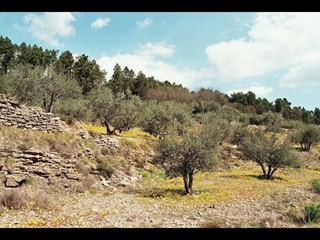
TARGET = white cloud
x,y
151,66
305,73
50,26
258,90
276,41
100,22
146,22
158,49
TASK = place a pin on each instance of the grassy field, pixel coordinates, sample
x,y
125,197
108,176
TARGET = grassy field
x,y
234,184
136,133
227,186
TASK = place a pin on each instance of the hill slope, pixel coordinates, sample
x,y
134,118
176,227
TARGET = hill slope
x,y
73,179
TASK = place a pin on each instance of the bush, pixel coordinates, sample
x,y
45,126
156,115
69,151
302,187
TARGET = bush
x,y
316,185
312,212
83,168
105,151
291,124
296,215
20,197
105,169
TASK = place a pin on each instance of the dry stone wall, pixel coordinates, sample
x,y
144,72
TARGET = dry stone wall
x,y
17,165
22,164
33,118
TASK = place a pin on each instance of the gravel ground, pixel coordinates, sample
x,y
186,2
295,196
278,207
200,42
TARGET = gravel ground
x,y
122,209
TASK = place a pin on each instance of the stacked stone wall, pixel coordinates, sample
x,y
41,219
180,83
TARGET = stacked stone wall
x,y
18,165
33,118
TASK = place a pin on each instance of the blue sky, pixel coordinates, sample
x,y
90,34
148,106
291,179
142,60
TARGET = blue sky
x,y
274,55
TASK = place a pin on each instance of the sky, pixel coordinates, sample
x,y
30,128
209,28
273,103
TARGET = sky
x,y
272,54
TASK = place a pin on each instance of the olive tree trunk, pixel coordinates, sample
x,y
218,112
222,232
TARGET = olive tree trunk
x,y
188,182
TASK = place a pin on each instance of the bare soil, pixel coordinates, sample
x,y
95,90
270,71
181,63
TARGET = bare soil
x,y
122,208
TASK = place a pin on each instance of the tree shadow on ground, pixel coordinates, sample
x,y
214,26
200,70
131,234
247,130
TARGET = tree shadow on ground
x,y
259,177
156,192
300,149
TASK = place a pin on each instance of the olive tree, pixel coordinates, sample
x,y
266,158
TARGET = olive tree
x,y
239,132
103,106
40,86
115,111
73,108
129,113
159,117
268,152
225,128
306,135
197,149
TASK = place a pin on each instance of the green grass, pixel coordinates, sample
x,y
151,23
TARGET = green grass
x,y
132,133
96,129
316,185
218,187
312,213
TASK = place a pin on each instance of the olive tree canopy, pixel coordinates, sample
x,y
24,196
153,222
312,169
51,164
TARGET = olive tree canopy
x,y
268,152
197,149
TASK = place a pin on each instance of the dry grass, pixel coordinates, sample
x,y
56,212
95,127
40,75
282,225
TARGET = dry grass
x,y
26,196
214,223
238,183
65,144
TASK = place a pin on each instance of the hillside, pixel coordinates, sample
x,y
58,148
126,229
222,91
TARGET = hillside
x,y
75,176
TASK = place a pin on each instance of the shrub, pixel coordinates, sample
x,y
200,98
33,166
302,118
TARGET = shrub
x,y
316,185
105,151
312,212
105,169
20,197
140,163
84,185
214,223
238,134
128,144
83,168
296,215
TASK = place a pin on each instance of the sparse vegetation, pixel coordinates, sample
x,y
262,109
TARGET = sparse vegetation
x,y
171,136
105,168
218,187
23,197
316,185
312,211
296,215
